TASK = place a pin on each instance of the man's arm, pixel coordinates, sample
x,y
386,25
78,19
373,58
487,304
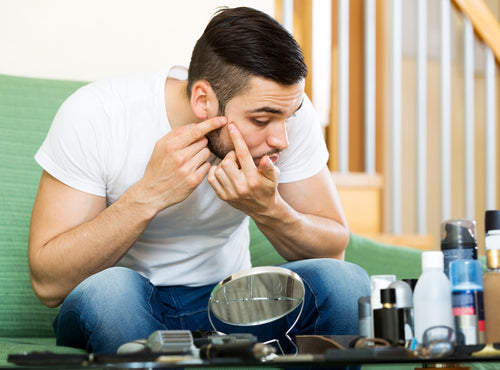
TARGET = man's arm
x,y
73,235
310,223
303,219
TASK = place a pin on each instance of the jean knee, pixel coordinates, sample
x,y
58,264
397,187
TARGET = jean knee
x,y
93,314
114,286
333,280
332,271
347,274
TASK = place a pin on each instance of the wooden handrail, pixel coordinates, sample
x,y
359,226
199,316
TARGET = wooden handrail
x,y
485,24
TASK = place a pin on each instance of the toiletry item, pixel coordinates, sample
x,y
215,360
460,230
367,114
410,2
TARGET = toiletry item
x,y
385,320
491,281
466,277
492,239
404,305
365,317
432,295
379,282
458,241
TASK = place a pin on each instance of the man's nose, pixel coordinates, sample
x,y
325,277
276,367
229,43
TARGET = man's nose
x,y
278,136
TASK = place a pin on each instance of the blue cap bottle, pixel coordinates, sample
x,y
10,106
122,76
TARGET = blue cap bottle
x,y
466,277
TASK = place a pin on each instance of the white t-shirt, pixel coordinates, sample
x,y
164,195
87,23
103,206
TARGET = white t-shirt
x,y
100,142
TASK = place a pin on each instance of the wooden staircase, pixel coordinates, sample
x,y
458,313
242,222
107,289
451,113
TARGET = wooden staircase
x,y
365,197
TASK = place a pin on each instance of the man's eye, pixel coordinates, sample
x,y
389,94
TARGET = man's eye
x,y
261,121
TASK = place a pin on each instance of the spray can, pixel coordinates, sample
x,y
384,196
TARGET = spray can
x,y
365,317
404,305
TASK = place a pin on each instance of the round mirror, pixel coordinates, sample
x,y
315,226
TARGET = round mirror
x,y
256,296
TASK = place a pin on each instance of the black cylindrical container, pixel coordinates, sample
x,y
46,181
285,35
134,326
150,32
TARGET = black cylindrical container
x,y
386,323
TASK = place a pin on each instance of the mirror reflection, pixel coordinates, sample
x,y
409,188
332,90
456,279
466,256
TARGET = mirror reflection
x,y
257,296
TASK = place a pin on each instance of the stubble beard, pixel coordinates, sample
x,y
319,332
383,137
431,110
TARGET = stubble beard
x,y
216,145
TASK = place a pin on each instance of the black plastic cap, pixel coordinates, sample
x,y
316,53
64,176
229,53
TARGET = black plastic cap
x,y
388,295
491,220
457,236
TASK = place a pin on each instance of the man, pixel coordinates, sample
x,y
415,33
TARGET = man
x,y
148,183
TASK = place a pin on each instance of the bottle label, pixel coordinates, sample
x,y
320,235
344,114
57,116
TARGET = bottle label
x,y
492,240
468,311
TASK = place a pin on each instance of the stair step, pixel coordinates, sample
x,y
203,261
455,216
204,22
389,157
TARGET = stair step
x,y
422,242
361,197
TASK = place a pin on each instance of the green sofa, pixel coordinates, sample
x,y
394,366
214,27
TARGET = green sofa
x,y
27,107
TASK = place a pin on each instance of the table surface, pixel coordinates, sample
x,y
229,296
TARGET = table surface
x,y
337,357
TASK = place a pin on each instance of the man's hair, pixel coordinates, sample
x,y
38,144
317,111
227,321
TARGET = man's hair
x,y
239,43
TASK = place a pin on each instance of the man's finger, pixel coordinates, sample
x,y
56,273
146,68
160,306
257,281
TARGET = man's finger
x,y
268,169
196,131
214,182
240,147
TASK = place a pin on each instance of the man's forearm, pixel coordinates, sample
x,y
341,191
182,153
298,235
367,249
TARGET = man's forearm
x,y
298,236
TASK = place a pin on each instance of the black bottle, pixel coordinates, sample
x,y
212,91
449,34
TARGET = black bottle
x,y
387,323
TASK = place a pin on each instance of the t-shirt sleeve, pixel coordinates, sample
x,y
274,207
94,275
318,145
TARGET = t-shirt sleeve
x,y
71,151
306,154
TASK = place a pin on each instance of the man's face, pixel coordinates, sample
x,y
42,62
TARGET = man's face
x,y
260,113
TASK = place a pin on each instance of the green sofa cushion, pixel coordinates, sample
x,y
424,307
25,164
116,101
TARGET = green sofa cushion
x,y
27,107
377,258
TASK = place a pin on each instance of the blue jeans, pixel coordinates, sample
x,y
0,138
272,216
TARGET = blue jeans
x,y
118,305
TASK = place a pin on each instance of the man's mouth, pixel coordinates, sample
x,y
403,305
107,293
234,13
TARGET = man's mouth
x,y
274,156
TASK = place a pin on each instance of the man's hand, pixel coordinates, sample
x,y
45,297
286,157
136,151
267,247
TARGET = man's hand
x,y
177,165
239,182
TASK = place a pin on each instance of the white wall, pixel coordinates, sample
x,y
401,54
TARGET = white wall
x,y
94,39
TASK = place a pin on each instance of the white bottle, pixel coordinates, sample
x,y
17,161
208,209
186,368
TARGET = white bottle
x,y
432,296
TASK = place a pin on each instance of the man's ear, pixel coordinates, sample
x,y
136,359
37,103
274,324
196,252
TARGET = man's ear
x,y
203,100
